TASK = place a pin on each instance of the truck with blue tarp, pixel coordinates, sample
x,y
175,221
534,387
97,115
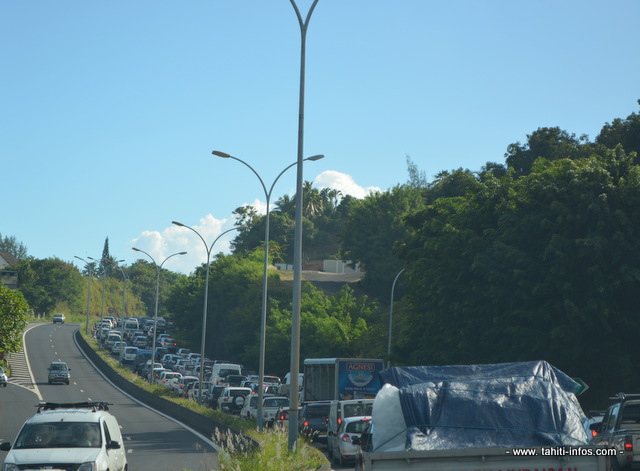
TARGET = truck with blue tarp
x,y
507,416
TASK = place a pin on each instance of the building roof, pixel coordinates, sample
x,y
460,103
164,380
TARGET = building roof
x,y
6,259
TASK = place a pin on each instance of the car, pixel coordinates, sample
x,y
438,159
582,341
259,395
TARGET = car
x,y
344,449
58,318
193,392
270,406
593,417
68,436
250,407
59,372
140,341
169,379
235,380
3,378
214,394
314,420
232,399
282,418
118,347
129,354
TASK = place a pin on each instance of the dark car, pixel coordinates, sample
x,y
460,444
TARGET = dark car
x,y
235,380
59,372
216,391
314,420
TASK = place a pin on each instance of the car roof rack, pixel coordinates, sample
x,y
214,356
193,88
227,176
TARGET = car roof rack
x,y
94,406
624,396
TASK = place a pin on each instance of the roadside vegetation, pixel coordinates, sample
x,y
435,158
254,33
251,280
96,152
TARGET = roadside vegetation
x,y
533,257
273,453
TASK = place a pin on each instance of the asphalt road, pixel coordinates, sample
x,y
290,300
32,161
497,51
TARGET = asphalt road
x,y
153,442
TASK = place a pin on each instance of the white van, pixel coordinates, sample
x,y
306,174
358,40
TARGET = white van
x,y
221,370
130,326
66,436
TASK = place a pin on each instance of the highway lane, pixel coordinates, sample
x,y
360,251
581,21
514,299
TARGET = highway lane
x,y
153,442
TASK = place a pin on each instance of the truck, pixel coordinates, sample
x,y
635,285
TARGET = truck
x,y
620,430
508,416
339,379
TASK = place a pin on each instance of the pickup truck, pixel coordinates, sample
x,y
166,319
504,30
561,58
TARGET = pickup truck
x,y
509,416
479,459
620,429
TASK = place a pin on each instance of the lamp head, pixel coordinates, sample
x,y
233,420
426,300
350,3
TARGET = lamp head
x,y
315,157
221,154
177,223
137,250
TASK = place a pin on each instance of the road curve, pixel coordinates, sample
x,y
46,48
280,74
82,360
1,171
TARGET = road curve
x,y
154,442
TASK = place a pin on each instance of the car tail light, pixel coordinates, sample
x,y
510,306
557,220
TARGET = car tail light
x,y
628,444
282,417
346,438
305,423
339,421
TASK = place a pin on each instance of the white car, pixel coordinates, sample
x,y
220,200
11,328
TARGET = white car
x,y
3,378
343,448
58,318
68,436
129,354
232,399
270,406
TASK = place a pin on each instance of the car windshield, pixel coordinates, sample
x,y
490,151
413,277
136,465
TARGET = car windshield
x,y
59,435
58,367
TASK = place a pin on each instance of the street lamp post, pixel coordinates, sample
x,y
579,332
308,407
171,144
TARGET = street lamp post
x,y
90,267
155,317
263,319
297,245
206,297
393,287
124,295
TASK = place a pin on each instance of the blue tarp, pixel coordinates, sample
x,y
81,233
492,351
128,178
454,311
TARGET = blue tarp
x,y
500,405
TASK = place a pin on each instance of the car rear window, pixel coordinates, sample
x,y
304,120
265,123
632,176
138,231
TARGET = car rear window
x,y
357,427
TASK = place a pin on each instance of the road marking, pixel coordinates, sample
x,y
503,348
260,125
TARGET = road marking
x,y
21,374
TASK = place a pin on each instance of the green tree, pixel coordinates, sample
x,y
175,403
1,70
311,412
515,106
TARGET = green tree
x,y
372,228
624,132
11,245
47,283
548,143
545,266
14,313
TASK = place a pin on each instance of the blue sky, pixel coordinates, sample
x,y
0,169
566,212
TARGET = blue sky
x,y
110,110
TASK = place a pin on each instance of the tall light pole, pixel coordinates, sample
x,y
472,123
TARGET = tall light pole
x,y
124,295
297,244
393,287
90,268
155,317
206,297
104,284
263,319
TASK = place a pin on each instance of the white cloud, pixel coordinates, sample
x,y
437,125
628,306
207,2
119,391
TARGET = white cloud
x,y
173,239
343,182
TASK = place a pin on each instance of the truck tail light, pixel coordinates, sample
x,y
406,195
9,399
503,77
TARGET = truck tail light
x,y
628,444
